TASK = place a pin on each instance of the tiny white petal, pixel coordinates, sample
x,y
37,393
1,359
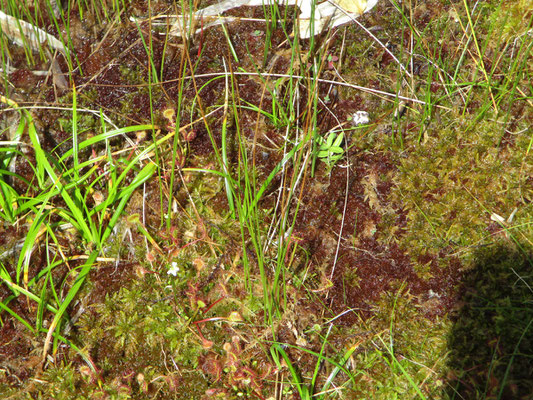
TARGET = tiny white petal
x,y
497,218
360,118
174,269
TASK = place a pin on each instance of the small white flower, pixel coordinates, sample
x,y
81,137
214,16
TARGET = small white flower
x,y
174,269
360,118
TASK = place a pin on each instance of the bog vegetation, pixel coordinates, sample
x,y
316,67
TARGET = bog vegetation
x,y
199,207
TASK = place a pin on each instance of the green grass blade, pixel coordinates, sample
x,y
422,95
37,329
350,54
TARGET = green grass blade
x,y
42,162
275,351
124,196
23,262
80,279
75,147
16,316
402,369
19,289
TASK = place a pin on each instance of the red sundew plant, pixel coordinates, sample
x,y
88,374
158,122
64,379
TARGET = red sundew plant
x,y
231,369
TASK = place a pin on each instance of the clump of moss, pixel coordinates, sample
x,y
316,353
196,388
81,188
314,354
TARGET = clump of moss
x,y
453,182
417,343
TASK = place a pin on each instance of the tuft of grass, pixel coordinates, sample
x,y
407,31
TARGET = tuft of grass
x,y
311,390
62,178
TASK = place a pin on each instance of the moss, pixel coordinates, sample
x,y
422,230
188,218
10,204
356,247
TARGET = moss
x,y
132,330
418,344
136,102
490,342
61,382
452,183
510,18
428,181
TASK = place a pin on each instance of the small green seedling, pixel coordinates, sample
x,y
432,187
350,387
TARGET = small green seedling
x,y
331,150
